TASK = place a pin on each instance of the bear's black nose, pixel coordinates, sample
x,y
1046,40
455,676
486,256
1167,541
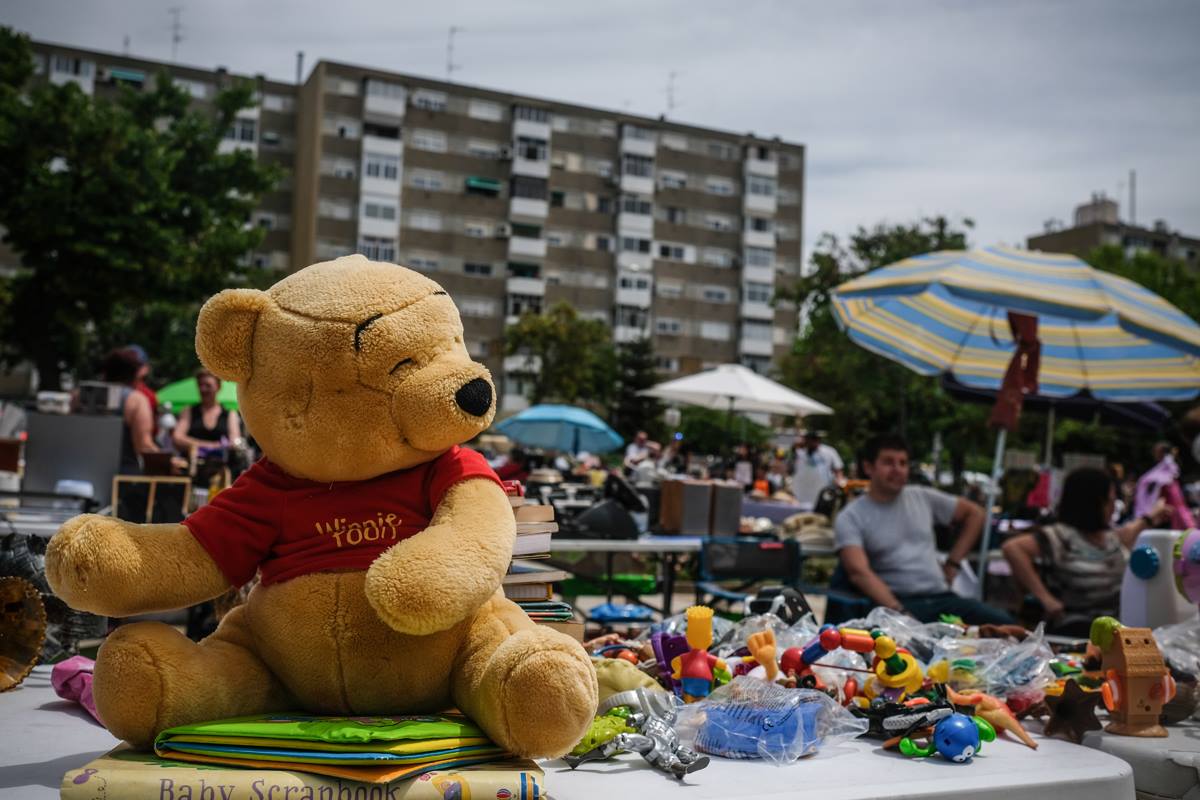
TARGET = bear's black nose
x,y
475,397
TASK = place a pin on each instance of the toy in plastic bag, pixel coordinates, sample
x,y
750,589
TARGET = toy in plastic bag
x,y
750,718
918,638
736,637
997,666
1180,645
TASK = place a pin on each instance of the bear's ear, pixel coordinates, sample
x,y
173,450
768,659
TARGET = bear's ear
x,y
225,332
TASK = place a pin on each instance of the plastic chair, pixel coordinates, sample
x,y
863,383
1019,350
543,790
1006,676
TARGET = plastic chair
x,y
746,561
843,600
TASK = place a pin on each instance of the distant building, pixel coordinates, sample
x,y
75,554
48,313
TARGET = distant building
x,y
1097,223
513,203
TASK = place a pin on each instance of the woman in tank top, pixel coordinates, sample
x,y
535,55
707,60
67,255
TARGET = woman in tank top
x,y
1081,558
207,424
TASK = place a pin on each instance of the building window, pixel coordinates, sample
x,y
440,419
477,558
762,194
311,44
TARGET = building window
x,y
426,179
789,161
526,230
519,304
482,109
198,89
341,127
381,130
714,257
242,130
517,269
423,263
603,167
640,166
603,204
67,65
759,257
482,148
722,150
671,251
632,204
759,224
557,199
377,88
429,100
484,187
758,292
717,331
378,248
675,215
476,306
271,138
785,230
603,243
668,326
673,141
757,184
385,211
433,141
719,222
382,166
638,282
720,186
425,220
672,180
759,152
631,317
758,331
278,102
630,244
338,167
342,86
788,197
531,114
477,228
531,149
558,239
335,208
476,268
634,132
666,363
668,289
525,186
716,294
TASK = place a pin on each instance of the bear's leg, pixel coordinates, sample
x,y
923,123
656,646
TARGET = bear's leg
x,y
532,689
150,677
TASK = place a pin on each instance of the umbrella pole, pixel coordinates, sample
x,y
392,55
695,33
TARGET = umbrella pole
x,y
1049,436
986,535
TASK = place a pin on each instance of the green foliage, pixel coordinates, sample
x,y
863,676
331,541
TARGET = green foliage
x,y
576,360
119,210
1171,280
709,430
635,372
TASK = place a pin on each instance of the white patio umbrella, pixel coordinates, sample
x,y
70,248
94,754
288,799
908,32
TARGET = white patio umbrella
x,y
732,387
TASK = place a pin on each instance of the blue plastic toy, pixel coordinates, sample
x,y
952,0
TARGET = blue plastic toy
x,y
957,737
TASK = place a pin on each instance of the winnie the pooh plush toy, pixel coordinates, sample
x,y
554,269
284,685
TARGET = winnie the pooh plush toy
x,y
381,544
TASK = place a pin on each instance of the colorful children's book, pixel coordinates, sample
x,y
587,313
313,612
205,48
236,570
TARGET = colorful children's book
x,y
131,775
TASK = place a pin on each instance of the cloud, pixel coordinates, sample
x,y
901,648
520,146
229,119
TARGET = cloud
x,y
1009,112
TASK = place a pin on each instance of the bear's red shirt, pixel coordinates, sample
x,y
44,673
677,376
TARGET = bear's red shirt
x,y
290,527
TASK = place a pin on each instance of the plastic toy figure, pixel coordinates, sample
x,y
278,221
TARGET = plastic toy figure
x,y
696,669
957,738
995,711
895,673
1137,682
894,721
667,646
654,739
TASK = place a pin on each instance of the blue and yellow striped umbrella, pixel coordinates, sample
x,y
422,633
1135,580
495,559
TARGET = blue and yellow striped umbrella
x,y
946,312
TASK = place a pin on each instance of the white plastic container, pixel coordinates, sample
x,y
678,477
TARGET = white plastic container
x,y
1148,595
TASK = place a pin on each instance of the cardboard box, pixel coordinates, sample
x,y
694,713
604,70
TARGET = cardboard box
x,y
725,518
685,507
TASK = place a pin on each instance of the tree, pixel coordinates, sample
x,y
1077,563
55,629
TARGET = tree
x,y
569,359
113,206
712,431
1174,281
635,372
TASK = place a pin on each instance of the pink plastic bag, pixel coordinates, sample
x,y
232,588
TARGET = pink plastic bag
x,y
72,680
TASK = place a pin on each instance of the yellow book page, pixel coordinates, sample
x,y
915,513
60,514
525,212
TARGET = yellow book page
x,y
399,748
374,774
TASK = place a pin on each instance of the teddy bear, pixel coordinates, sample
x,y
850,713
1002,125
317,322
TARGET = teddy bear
x,y
379,542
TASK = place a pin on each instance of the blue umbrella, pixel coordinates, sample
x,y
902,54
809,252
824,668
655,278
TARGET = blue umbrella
x,y
558,427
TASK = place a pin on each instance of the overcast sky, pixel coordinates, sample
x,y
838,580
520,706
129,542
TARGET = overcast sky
x,y
1008,112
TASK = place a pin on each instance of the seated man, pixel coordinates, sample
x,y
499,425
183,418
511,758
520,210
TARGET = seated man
x,y
886,544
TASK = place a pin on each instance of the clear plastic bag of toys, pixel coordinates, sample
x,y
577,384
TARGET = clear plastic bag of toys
x,y
919,638
751,718
1180,645
735,639
998,667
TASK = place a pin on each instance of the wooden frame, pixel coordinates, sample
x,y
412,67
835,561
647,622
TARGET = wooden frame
x,y
154,481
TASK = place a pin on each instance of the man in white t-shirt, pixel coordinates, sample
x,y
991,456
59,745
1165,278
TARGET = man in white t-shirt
x,y
817,465
637,451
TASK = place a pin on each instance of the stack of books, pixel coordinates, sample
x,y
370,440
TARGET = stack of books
x,y
529,584
413,757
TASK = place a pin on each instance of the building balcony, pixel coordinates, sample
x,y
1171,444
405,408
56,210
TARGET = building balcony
x,y
758,239
755,347
227,146
768,168
85,82
764,311
522,363
640,226
638,147
372,226
520,247
761,204
636,184
534,169
535,287
530,129
638,298
378,105
382,145
758,274
627,259
623,334
525,208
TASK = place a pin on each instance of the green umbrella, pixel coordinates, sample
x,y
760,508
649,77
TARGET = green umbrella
x,y
181,394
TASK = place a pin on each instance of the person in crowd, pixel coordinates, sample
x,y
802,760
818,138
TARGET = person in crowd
x,y
637,451
516,468
885,540
209,423
1082,556
816,466
140,385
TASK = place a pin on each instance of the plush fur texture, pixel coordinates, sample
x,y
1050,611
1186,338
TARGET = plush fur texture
x,y
346,370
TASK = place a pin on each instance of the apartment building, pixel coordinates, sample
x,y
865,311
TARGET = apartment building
x,y
515,203
1098,222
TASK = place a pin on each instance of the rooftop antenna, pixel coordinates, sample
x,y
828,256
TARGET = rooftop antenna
x,y
671,91
450,65
1133,197
299,66
176,30
125,45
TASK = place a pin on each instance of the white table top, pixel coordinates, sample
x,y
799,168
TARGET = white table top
x,y
42,737
643,544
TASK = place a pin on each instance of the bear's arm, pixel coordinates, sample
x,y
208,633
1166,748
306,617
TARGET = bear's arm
x,y
117,569
439,577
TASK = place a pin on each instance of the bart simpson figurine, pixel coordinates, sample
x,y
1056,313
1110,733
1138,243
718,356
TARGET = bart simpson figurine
x,y
694,669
